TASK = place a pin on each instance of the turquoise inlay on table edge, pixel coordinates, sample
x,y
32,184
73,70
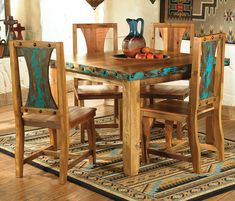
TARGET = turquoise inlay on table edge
x,y
130,77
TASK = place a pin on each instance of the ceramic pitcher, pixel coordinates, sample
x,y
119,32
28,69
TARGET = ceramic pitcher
x,y
134,41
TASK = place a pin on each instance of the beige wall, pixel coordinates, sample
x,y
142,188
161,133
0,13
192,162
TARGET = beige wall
x,y
27,12
119,10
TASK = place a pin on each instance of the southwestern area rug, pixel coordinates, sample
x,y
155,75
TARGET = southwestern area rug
x,y
163,179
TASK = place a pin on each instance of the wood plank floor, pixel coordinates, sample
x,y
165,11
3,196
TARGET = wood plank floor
x,y
37,185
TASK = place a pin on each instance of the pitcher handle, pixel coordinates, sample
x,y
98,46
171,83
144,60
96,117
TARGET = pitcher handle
x,y
142,26
128,20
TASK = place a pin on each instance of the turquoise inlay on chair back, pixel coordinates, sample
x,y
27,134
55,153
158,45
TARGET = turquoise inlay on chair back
x,y
208,64
37,60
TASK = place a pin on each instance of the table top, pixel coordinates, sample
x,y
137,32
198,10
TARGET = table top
x,y
107,61
104,64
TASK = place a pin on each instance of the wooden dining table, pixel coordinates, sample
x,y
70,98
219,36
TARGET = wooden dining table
x,y
130,74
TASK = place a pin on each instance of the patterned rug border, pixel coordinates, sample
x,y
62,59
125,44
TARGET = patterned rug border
x,y
118,197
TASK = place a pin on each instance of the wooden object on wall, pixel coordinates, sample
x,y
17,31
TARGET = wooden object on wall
x,y
41,110
9,22
206,89
19,30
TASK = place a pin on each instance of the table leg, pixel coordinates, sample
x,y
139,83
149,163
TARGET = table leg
x,y
131,127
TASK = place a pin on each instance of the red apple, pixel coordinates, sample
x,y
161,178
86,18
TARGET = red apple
x,y
150,56
145,50
138,56
158,56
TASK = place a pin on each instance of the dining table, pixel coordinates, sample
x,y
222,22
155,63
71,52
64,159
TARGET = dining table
x,y
130,74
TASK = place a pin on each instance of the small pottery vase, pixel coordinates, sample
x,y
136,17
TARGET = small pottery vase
x,y
134,41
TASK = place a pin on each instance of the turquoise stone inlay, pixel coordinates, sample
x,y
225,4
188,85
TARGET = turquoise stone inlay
x,y
207,69
37,60
91,70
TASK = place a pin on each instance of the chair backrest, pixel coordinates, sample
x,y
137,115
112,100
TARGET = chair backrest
x,y
172,35
38,58
206,83
95,35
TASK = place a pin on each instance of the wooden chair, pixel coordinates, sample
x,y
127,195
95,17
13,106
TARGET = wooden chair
x,y
41,110
172,35
95,35
205,99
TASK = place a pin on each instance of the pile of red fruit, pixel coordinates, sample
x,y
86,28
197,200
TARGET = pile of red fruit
x,y
147,54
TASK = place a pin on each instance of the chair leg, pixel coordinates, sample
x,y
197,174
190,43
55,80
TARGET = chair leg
x,y
54,139
82,130
210,131
168,133
194,144
81,103
143,102
92,139
116,110
218,135
120,116
75,96
75,91
147,123
179,130
19,149
64,153
82,127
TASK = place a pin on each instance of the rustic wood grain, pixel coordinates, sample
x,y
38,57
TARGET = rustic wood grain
x,y
41,109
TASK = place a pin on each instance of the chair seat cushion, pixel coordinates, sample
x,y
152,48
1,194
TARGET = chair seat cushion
x,y
170,109
165,91
77,115
99,92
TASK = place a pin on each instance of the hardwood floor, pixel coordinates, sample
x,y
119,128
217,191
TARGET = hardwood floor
x,y
37,185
